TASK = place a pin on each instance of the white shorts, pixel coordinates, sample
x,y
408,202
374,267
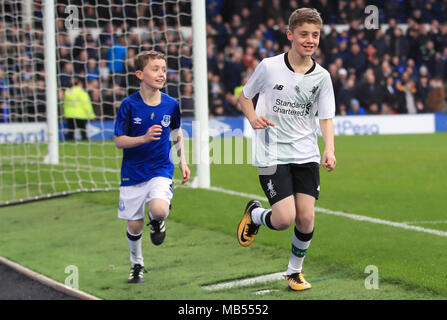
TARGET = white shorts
x,y
133,198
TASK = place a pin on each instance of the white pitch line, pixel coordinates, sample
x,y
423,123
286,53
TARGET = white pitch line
x,y
426,222
245,282
357,217
261,292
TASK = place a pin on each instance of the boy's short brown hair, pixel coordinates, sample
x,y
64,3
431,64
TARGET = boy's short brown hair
x,y
304,15
143,57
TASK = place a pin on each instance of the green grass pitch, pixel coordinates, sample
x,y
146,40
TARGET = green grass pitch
x,y
397,178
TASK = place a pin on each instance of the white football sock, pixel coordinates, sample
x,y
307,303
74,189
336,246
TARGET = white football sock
x,y
299,249
135,243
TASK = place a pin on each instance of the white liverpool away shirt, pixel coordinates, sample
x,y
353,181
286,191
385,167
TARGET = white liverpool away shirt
x,y
292,101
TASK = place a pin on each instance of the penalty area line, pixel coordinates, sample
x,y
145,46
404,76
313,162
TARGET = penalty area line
x,y
357,217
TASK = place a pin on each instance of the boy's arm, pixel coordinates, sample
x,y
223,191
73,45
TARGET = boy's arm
x,y
127,142
248,109
327,130
178,138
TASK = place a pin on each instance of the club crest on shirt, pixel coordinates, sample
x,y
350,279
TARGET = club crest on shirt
x,y
166,120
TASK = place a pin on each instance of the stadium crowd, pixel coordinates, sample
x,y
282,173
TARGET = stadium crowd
x,y
400,67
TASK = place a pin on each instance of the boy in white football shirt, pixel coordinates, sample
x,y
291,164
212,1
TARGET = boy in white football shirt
x,y
293,91
143,126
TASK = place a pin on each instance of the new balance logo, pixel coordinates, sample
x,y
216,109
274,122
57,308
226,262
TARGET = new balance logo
x,y
278,87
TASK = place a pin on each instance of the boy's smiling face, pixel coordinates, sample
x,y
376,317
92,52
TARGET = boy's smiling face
x,y
154,73
305,38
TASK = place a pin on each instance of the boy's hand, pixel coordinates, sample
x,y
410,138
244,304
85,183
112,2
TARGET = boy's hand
x,y
186,173
329,161
261,123
153,133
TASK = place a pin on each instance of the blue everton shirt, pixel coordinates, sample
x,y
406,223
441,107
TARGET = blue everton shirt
x,y
152,159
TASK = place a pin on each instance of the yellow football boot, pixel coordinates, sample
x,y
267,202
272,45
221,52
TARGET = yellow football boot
x,y
247,230
297,282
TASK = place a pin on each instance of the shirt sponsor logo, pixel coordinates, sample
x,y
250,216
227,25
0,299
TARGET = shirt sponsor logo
x,y
292,108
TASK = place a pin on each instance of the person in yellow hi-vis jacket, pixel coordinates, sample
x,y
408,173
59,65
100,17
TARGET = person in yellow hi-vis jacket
x,y
78,109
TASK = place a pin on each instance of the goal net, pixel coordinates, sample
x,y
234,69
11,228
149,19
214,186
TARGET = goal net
x,y
95,42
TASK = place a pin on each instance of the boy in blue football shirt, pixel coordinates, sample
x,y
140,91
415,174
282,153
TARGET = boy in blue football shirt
x,y
143,128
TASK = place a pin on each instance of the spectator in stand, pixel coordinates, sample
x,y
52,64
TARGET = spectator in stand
x,y
387,108
187,101
238,90
441,38
423,88
213,8
80,63
427,56
339,78
216,106
95,97
436,96
78,109
215,86
220,32
66,76
4,84
237,28
369,93
233,46
410,97
4,112
249,57
116,56
355,108
172,58
274,10
281,35
380,44
345,95
229,70
92,72
356,60
104,73
399,44
354,10
172,84
389,96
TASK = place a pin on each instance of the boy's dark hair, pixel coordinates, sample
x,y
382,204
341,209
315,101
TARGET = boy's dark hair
x,y
304,15
143,58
